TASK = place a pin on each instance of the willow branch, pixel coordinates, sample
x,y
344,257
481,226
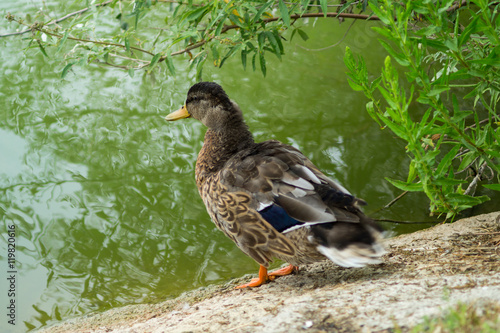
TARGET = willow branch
x,y
333,45
78,12
395,199
95,41
193,46
272,19
405,222
471,189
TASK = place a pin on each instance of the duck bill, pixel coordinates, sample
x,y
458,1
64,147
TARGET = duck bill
x,y
179,114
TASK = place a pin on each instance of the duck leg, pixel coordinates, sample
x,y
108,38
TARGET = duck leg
x,y
264,277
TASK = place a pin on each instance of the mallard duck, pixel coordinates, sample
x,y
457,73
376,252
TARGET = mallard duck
x,y
269,198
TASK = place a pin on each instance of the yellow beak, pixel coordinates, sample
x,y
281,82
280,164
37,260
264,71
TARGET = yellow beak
x,y
179,114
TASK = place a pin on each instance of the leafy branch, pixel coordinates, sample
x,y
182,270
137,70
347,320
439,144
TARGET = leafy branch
x,y
446,139
253,21
439,54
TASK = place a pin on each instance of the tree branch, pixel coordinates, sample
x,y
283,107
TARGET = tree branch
x,y
272,19
471,189
78,12
189,48
405,222
95,41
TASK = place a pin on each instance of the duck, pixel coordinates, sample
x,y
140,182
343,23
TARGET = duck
x,y
270,199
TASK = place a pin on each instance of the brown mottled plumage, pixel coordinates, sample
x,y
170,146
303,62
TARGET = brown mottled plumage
x,y
269,198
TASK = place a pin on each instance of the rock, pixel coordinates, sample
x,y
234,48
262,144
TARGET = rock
x,y
423,273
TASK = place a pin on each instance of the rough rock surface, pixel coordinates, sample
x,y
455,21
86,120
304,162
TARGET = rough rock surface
x,y
423,274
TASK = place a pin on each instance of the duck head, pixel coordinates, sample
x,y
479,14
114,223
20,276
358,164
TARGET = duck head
x,y
209,103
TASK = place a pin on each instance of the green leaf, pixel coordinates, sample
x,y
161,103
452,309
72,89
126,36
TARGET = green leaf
x,y
244,58
465,200
127,44
154,61
410,187
42,49
433,43
131,72
284,13
384,32
170,64
197,13
231,51
397,129
452,44
384,17
447,160
467,160
493,152
461,74
181,38
66,69
436,90
494,187
465,35
349,58
393,106
262,63
277,37
448,181
274,43
220,26
324,6
303,35
412,172
399,57
199,69
261,39
237,20
355,86
492,61
371,111
262,10
63,40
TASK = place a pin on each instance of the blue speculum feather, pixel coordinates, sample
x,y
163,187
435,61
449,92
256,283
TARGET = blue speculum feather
x,y
278,218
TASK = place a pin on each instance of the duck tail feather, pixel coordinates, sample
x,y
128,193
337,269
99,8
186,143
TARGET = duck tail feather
x,y
349,244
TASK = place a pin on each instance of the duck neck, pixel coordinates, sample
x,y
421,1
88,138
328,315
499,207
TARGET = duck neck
x,y
219,147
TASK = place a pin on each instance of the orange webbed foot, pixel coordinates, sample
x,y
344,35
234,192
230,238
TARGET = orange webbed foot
x,y
284,271
264,277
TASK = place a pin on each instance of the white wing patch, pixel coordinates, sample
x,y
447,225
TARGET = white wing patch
x,y
298,182
305,225
298,193
310,175
353,256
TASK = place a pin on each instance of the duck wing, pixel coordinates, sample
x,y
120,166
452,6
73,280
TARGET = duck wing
x,y
272,189
280,179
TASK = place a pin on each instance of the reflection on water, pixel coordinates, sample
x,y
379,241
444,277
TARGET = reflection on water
x,y
102,189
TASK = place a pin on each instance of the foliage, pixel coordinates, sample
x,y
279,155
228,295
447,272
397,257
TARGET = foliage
x,y
464,318
204,30
445,54
448,51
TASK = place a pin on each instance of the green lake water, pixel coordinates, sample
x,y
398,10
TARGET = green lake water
x,y
100,188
